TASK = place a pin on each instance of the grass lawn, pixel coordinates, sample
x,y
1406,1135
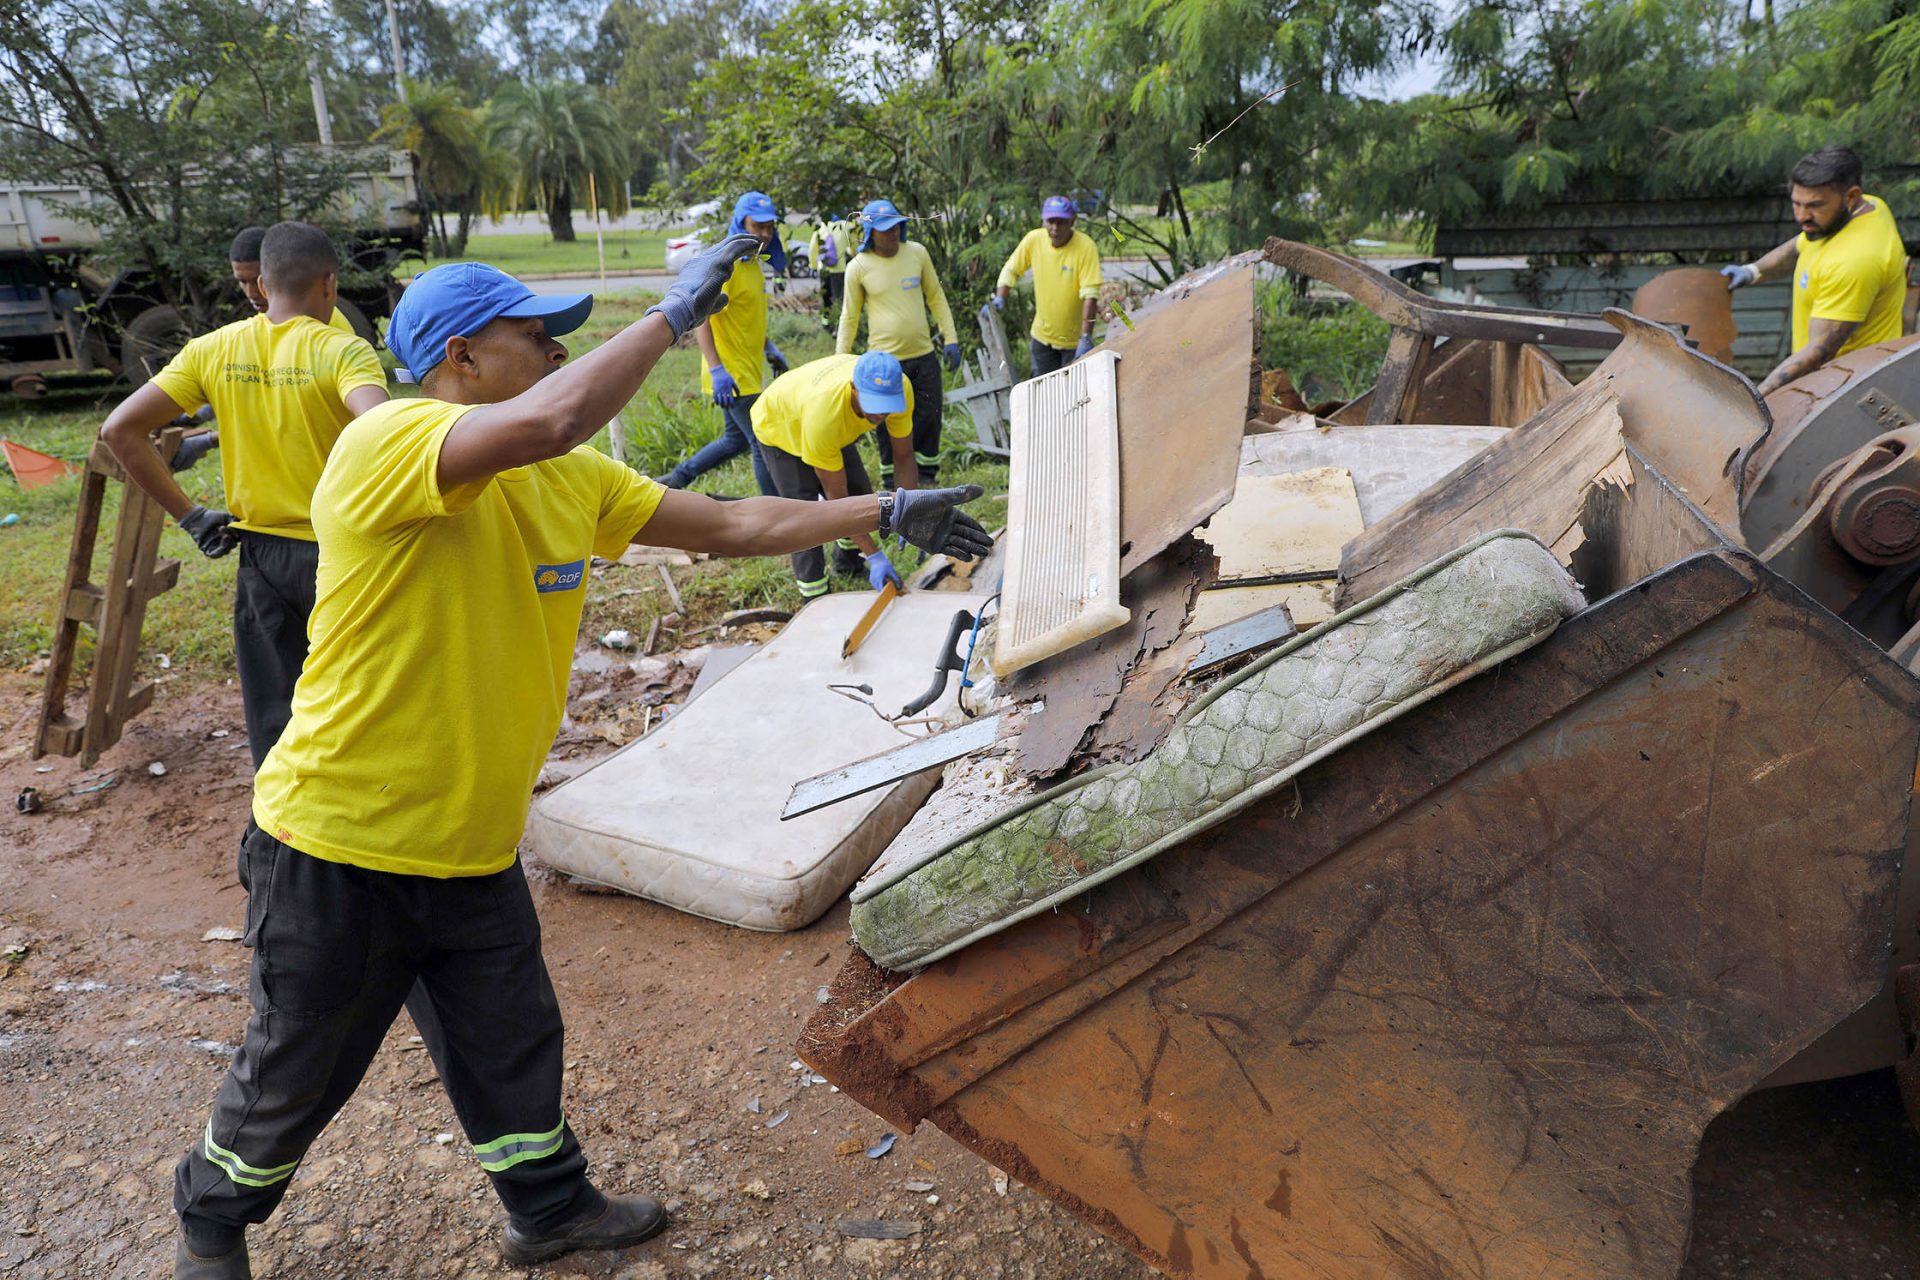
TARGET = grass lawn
x,y
627,252
192,624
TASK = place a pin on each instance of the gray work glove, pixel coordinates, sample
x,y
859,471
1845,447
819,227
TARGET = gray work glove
x,y
1739,275
696,294
931,520
211,530
192,449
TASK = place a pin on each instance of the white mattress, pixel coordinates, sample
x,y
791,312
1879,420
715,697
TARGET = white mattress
x,y
689,815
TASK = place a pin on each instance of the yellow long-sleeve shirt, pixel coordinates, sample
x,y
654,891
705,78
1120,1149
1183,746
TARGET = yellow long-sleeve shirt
x,y
896,293
1063,280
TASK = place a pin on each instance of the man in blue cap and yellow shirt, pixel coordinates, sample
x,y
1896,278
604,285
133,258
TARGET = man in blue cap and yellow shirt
x,y
732,344
809,424
1066,286
457,531
893,280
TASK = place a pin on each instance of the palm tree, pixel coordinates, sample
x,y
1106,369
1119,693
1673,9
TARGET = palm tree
x,y
457,167
557,134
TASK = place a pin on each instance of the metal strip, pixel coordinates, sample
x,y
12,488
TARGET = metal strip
x,y
889,767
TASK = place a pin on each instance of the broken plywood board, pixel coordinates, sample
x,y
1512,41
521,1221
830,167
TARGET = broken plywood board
x,y
1063,519
1189,384
1535,479
1290,526
1391,464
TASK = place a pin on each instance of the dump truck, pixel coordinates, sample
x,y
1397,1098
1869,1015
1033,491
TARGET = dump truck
x,y
63,311
1428,939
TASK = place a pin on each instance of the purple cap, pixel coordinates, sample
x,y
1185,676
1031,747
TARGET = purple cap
x,y
1056,207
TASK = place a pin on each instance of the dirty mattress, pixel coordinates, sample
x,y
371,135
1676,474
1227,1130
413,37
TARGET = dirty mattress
x,y
1451,620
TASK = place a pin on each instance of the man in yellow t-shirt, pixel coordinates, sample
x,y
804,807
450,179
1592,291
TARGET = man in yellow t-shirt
x,y
731,346
893,280
1848,265
243,257
282,384
809,424
829,249
1066,286
457,533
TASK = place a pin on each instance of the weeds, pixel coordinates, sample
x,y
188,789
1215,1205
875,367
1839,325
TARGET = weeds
x,y
1331,349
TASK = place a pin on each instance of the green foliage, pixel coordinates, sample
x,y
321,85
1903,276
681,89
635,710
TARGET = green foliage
x,y
564,140
459,170
1337,346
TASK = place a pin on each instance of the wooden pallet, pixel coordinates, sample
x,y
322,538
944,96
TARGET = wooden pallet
x,y
115,611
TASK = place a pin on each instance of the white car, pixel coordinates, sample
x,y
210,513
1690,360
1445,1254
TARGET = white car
x,y
680,248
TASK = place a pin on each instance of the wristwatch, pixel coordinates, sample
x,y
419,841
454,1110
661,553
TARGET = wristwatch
x,y
886,513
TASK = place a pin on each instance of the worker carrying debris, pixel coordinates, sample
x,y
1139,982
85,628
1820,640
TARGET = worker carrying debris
x,y
1849,267
1066,286
829,249
459,530
809,425
894,280
732,345
282,384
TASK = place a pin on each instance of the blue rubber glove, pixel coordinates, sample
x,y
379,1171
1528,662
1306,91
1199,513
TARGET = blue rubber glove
x,y
1739,275
210,530
998,302
698,291
880,572
931,520
725,389
192,449
953,357
1086,345
774,358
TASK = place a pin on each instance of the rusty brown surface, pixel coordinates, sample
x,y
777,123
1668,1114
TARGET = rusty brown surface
x,y
1464,1004
1697,299
1189,379
1106,699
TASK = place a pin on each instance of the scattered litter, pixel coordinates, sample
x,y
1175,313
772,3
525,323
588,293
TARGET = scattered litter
x,y
166,662
101,785
778,1120
11,519
917,1185
796,1064
881,1147
28,801
849,1147
43,768
1000,1181
178,981
757,1189
225,933
879,1228
617,639
821,996
218,1047
220,733
933,1199
86,984
754,1106
157,769
134,1042
924,1163
442,1139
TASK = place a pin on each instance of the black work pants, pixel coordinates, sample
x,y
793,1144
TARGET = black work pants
x,y
337,948
272,602
833,287
929,403
1047,359
795,479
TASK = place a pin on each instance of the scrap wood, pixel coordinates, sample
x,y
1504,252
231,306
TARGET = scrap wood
x,y
673,592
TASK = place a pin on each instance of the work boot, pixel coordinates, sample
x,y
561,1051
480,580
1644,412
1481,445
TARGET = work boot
x,y
849,564
620,1221
188,1265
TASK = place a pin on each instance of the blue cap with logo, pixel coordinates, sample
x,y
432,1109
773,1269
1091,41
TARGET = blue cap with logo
x,y
458,300
880,383
757,205
1056,207
879,215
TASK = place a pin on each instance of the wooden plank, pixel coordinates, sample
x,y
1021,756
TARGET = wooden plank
x,y
50,736
1396,396
138,699
84,604
164,578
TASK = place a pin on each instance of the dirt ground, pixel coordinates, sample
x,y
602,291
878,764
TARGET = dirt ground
x,y
117,1018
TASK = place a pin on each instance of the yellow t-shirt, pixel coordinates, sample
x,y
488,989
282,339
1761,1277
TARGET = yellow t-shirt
x,y
1859,274
279,393
1063,279
442,637
896,293
340,322
740,329
843,246
808,413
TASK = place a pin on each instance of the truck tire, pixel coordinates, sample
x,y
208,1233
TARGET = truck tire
x,y
149,340
358,319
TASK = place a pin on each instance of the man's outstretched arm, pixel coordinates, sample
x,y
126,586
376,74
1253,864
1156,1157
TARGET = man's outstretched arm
x,y
930,519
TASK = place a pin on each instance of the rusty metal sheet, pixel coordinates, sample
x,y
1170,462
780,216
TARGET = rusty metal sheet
x,y
1697,299
1189,380
1465,1004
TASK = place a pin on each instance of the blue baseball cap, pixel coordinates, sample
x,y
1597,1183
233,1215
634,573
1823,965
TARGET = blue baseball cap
x,y
880,215
458,300
1056,207
881,384
756,205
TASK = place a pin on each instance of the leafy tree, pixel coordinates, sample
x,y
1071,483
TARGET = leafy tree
x,y
559,133
441,40
457,169
188,117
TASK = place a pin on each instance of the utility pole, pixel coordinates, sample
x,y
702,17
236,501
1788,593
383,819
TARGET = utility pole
x,y
399,62
321,116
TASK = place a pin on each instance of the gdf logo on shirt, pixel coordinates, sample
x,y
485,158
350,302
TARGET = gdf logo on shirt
x,y
559,577
910,282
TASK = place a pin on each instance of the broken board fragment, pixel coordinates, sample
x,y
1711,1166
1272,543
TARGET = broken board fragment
x,y
1279,542
631,822
1063,515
